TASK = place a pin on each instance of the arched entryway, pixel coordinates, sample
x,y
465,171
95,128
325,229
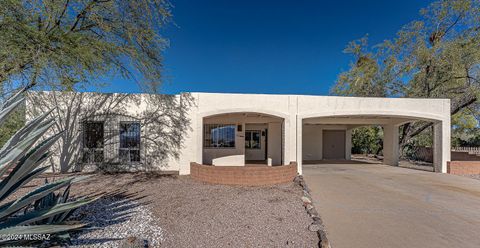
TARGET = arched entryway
x,y
243,138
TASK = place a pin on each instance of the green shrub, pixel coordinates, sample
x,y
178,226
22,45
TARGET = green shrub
x,y
367,140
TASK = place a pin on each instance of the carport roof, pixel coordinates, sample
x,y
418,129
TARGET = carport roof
x,y
358,120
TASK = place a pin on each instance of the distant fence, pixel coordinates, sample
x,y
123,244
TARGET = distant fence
x,y
457,154
471,150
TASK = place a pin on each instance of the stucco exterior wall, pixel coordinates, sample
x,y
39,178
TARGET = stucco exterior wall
x,y
295,111
275,142
313,140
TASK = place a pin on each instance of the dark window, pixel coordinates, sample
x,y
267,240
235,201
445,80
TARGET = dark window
x,y
93,142
129,141
252,139
219,136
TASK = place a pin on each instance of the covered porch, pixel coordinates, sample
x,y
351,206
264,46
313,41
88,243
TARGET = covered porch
x,y
243,139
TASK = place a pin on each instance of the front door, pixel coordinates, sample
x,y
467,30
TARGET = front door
x,y
255,145
333,144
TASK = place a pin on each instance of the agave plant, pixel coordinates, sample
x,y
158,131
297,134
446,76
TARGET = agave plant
x,y
41,211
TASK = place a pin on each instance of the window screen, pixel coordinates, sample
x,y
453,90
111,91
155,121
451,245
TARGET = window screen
x,y
219,135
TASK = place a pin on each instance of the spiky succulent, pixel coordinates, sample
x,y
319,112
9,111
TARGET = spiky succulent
x,y
40,211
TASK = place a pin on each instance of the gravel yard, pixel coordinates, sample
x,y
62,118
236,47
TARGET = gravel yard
x,y
175,211
115,218
474,176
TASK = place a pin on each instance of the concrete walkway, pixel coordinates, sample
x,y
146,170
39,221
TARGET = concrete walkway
x,y
374,205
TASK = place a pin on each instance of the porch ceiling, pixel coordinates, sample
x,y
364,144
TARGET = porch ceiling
x,y
242,117
357,120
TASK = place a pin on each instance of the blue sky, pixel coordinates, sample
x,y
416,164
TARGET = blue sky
x,y
285,47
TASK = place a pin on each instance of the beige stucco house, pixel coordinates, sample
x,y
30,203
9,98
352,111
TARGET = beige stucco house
x,y
233,129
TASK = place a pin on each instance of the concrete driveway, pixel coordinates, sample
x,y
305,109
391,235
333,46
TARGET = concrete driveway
x,y
374,205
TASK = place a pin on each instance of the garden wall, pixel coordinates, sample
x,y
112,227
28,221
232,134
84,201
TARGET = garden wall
x,y
426,154
463,167
244,175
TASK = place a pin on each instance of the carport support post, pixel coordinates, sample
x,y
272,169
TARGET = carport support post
x,y
390,144
441,145
348,144
299,152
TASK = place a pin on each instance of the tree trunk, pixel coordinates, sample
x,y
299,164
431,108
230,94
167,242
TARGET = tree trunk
x,y
456,106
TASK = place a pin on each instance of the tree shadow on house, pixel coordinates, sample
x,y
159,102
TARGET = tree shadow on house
x,y
114,132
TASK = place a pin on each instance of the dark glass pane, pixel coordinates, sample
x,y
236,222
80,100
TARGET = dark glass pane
x,y
248,137
92,156
98,156
129,142
93,142
124,155
93,135
130,135
135,155
86,156
256,140
219,135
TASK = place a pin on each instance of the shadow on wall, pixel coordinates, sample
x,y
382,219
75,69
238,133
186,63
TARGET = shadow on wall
x,y
163,122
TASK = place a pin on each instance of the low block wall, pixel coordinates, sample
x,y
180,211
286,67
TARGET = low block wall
x,y
464,156
426,154
463,167
244,175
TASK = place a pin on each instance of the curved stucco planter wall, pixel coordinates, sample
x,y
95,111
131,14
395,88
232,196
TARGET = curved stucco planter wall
x,y
244,175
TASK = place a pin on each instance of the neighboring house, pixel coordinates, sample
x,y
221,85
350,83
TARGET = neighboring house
x,y
168,132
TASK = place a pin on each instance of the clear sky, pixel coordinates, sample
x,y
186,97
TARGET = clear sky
x,y
267,46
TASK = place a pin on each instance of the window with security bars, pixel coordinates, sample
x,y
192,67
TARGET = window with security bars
x,y
219,135
129,149
93,142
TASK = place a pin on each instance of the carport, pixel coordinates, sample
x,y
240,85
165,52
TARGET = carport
x,y
330,137
324,126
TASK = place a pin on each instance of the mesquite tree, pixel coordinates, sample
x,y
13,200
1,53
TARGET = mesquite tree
x,y
437,56
67,44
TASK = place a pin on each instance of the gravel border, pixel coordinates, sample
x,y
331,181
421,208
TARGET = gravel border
x,y
317,224
117,221
473,176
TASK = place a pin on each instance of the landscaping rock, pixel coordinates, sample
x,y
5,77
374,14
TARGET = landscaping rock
x,y
133,242
324,243
313,213
317,225
317,219
314,227
306,194
297,179
306,200
117,221
309,206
